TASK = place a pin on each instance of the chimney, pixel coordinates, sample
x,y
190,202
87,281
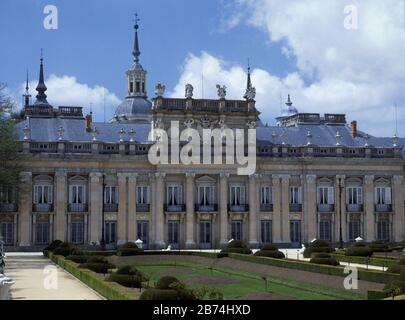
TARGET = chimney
x,y
353,126
88,123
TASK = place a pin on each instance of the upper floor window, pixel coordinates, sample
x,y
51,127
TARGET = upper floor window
x,y
7,195
142,195
326,195
265,195
206,195
43,194
382,195
354,195
295,195
77,194
174,195
110,195
237,195
138,87
131,87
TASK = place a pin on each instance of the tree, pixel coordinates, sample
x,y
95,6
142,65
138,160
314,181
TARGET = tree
x,y
392,290
9,146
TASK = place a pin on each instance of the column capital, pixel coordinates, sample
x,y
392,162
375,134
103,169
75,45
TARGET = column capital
x,y
60,174
160,175
95,176
254,176
224,175
368,179
190,175
285,177
311,178
398,179
25,175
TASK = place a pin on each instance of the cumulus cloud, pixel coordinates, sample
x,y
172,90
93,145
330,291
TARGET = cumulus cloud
x,y
357,71
68,91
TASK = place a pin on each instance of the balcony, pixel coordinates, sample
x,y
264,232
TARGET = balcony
x,y
238,208
110,207
142,207
383,207
8,207
326,207
266,207
206,207
42,207
175,208
354,208
77,207
295,207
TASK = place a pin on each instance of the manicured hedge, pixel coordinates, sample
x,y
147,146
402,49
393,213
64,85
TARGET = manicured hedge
x,y
270,253
317,246
236,246
373,261
376,295
324,258
379,246
77,258
359,251
158,294
96,267
165,282
126,280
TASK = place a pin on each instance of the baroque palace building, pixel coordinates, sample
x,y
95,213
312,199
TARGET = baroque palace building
x,y
84,181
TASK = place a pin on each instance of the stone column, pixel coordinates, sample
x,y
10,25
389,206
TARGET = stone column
x,y
61,201
159,207
285,209
368,200
122,217
25,225
223,208
190,215
96,206
253,242
132,236
342,205
277,237
310,204
398,231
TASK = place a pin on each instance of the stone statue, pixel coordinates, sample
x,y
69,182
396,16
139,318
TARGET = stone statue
x,y
160,90
250,93
251,124
188,123
221,91
189,90
205,122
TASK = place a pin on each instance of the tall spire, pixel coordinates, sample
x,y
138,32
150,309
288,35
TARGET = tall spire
x,y
26,95
41,87
136,51
249,82
250,93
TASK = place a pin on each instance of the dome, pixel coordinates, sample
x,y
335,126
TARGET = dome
x,y
134,109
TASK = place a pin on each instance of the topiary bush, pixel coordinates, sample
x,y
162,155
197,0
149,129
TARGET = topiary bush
x,y
269,247
128,249
270,254
96,267
324,258
77,258
165,282
64,249
159,294
379,246
236,246
317,246
126,280
53,245
359,251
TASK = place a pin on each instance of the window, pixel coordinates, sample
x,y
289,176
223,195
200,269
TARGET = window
x,y
142,231
236,230
383,230
77,194
42,233
354,195
43,194
7,195
77,232
354,229
6,232
174,195
326,195
237,195
265,195
295,231
138,87
110,232
205,195
382,195
266,231
325,230
142,195
131,87
173,232
295,195
143,87
110,195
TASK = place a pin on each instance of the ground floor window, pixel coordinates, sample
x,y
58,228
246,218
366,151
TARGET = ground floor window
x,y
77,232
383,230
236,230
6,232
173,232
142,232
205,234
295,231
325,230
354,229
42,233
110,232
266,231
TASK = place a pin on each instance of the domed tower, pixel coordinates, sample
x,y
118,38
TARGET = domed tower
x,y
136,106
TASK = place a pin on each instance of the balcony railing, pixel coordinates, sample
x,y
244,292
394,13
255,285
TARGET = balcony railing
x,y
266,207
42,207
206,207
326,207
142,207
354,207
175,208
295,207
8,207
110,207
238,208
77,207
383,207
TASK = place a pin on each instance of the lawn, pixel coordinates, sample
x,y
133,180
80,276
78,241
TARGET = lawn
x,y
236,284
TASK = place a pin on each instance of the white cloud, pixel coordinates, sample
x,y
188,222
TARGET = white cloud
x,y
357,72
67,91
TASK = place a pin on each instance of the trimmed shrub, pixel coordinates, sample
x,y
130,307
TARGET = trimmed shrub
x,y
126,280
269,247
236,246
53,245
317,246
359,244
97,259
96,267
158,294
360,251
128,245
128,269
379,246
395,269
77,258
128,252
186,295
165,282
324,258
64,249
270,254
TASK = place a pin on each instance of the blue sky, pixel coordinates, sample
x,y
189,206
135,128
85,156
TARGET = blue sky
x,y
301,47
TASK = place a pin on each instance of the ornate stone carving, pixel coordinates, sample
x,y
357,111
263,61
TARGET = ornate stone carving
x,y
26,132
131,134
398,179
250,93
160,90
205,122
309,138
121,134
221,124
94,133
338,137
311,178
251,124
368,179
61,131
189,91
188,123
221,91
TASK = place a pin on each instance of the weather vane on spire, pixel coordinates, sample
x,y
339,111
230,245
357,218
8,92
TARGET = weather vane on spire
x,y
136,21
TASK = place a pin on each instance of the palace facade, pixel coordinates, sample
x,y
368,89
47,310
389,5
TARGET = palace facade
x,y
85,182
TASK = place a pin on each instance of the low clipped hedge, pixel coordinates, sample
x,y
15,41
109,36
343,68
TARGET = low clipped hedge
x,y
373,261
128,249
376,295
324,258
165,282
158,294
400,282
96,267
126,280
359,251
78,258
398,267
270,254
236,246
318,246
379,246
